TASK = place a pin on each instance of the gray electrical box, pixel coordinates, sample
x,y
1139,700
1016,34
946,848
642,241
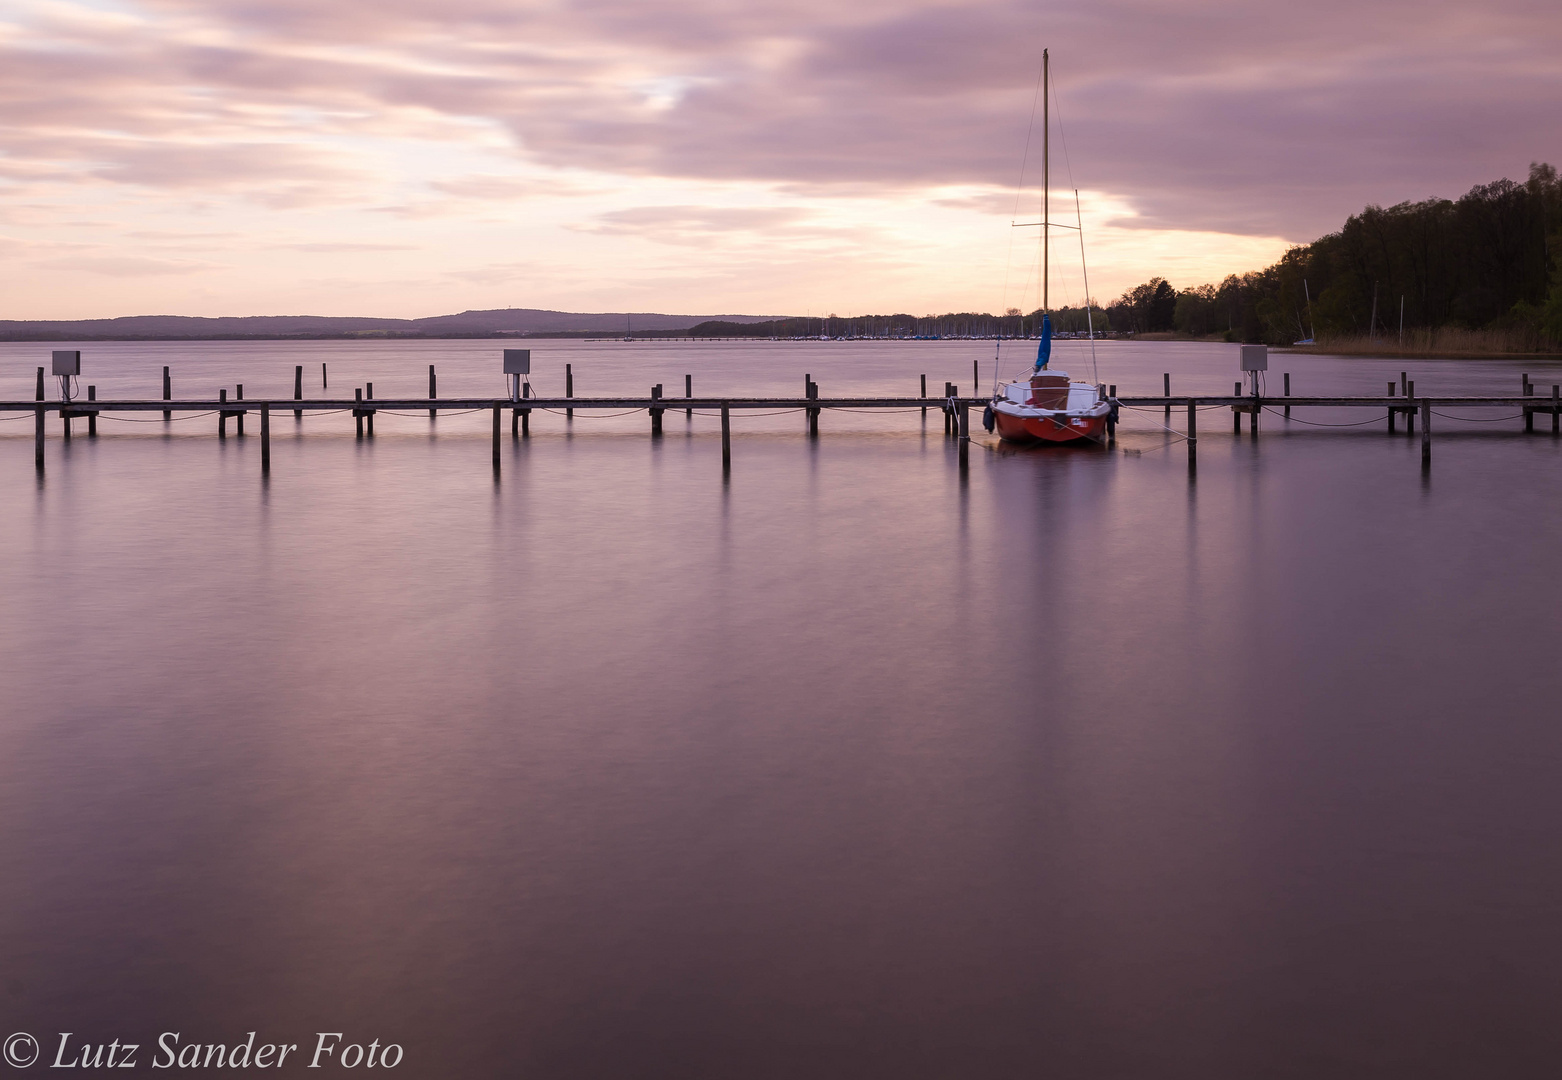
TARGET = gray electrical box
x,y
517,361
1255,358
67,361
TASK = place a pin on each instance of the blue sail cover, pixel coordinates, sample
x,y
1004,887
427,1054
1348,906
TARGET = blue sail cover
x,y
1044,350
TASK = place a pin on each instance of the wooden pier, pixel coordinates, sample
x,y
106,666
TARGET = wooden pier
x,y
364,405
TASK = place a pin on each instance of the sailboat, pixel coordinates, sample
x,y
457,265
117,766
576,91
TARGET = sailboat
x,y
1043,404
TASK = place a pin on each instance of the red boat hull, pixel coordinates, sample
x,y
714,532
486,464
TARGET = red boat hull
x,y
1028,430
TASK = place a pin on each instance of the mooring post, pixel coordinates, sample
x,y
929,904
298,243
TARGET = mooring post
x,y
1391,409
358,411
924,392
239,419
222,413
1426,433
526,414
726,439
1410,413
1288,393
168,391
496,438
323,382
569,388
298,389
965,434
813,414
656,414
265,438
433,390
1193,433
92,417
368,395
688,392
1236,410
38,438
39,393
1529,413
976,376
1166,392
1556,410
1404,387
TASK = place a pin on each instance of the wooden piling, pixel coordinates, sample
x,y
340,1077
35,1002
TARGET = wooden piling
x,y
39,393
976,376
358,411
38,437
1426,434
323,382
168,392
1404,387
368,395
239,419
688,392
1391,410
569,389
1529,413
496,438
1166,392
222,414
1288,393
656,414
1556,410
813,414
924,392
265,438
1236,410
92,417
298,389
1193,433
964,430
726,439
433,390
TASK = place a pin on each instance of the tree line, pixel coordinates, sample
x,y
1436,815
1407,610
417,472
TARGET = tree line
x,y
1491,259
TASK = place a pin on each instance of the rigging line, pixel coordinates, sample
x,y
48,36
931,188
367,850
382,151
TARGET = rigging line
x,y
1019,193
1084,269
1067,164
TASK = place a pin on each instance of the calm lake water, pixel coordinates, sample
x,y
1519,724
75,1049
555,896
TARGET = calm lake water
x,y
847,768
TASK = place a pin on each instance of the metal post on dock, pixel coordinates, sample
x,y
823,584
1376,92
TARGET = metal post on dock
x,y
569,388
1426,434
92,417
222,414
358,411
433,390
298,389
726,439
168,392
265,438
496,438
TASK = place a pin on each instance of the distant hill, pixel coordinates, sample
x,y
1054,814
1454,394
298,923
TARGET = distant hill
x,y
498,322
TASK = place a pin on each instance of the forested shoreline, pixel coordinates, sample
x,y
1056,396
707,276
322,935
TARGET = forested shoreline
x,y
1479,273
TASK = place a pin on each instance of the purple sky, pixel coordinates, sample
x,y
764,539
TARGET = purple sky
x,y
407,157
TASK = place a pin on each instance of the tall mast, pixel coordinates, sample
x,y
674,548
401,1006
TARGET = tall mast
x,y
1046,219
